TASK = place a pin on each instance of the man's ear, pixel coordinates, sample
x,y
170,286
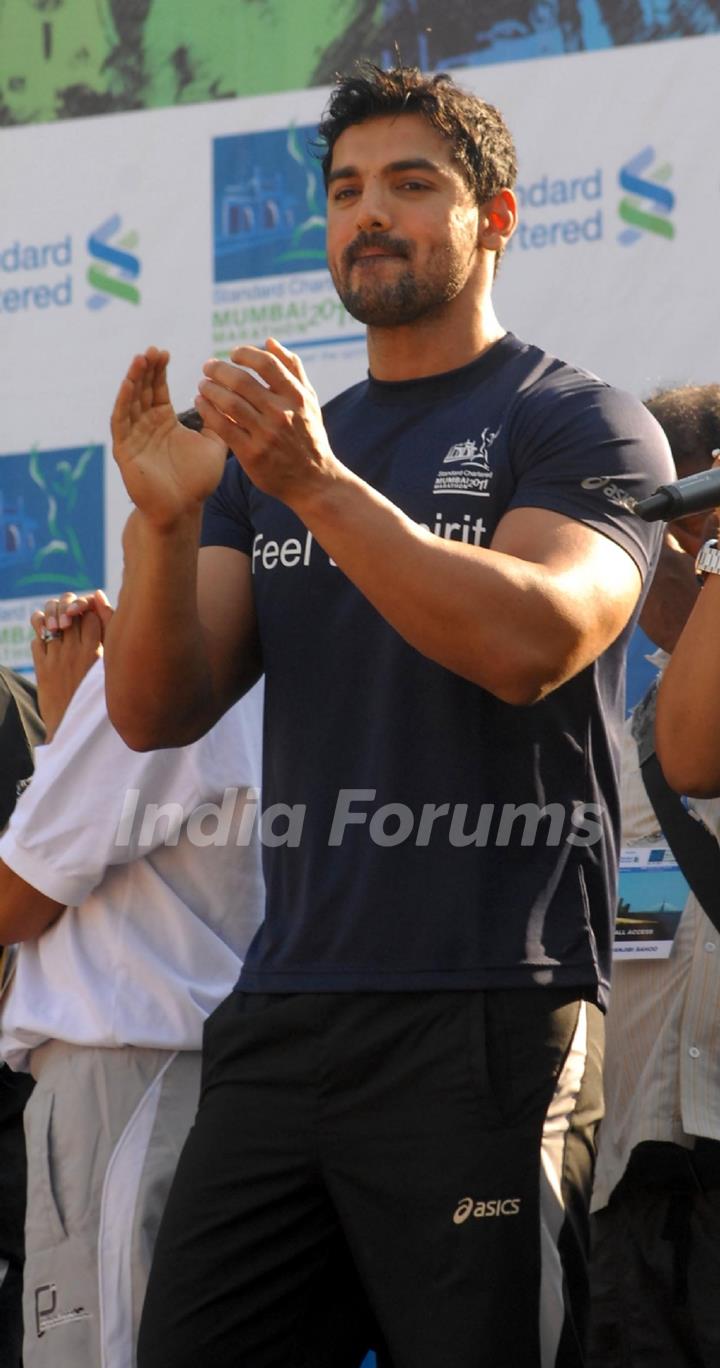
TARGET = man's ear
x,y
498,220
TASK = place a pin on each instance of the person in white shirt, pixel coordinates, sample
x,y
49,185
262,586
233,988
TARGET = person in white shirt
x,y
21,729
134,883
655,1266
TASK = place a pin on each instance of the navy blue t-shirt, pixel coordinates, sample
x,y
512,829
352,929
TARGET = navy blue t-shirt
x,y
419,833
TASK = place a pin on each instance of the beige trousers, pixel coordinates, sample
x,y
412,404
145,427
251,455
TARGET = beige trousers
x,y
104,1130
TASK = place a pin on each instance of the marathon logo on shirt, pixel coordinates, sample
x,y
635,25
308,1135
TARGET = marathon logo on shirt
x,y
472,475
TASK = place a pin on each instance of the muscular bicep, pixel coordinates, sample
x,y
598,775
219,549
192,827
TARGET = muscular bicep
x,y
227,615
593,583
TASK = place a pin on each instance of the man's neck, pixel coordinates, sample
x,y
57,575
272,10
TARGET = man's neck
x,y
430,346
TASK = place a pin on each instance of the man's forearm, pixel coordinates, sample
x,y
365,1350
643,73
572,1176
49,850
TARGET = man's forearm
x,y
503,622
159,687
25,912
687,724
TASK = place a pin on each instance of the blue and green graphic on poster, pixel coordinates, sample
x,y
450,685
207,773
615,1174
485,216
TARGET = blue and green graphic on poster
x,y
269,204
269,260
51,521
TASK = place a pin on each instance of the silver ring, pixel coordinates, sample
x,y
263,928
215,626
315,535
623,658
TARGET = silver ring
x,y
47,635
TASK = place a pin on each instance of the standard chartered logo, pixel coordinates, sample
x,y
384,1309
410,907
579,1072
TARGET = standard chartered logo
x,y
114,267
496,1206
648,202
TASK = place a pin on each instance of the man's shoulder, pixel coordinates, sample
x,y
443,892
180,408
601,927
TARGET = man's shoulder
x,y
557,394
548,376
539,385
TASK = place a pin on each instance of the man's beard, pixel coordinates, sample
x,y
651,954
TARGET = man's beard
x,y
394,303
390,304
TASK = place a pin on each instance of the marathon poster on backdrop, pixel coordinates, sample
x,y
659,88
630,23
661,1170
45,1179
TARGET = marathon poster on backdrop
x,y
51,536
269,219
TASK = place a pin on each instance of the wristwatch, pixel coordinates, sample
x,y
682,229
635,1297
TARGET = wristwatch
x,y
707,561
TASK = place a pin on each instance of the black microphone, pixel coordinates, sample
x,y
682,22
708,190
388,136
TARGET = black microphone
x,y
695,494
190,418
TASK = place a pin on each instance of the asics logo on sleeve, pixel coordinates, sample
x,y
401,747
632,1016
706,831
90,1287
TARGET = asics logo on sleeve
x,y
607,484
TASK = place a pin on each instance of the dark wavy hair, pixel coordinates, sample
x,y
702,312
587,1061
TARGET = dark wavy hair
x,y
477,133
690,417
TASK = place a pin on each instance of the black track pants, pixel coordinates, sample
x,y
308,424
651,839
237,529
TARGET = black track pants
x,y
414,1162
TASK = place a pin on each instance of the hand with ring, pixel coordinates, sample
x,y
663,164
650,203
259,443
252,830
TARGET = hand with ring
x,y
68,640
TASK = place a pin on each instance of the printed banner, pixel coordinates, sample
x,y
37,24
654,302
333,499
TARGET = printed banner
x,y
52,535
69,59
269,244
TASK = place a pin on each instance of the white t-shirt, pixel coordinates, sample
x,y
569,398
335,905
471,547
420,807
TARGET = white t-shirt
x,y
662,1040
161,906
